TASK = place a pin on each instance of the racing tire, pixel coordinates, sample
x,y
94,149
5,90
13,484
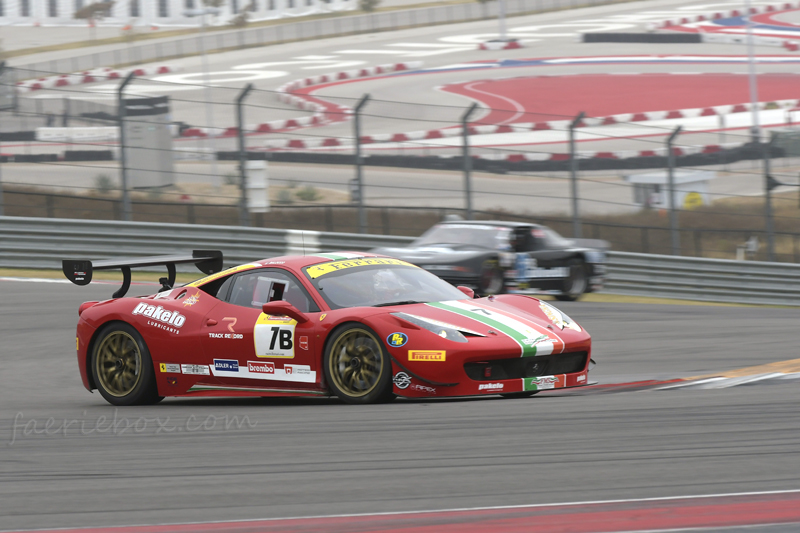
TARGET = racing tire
x,y
122,367
576,284
492,280
357,368
518,395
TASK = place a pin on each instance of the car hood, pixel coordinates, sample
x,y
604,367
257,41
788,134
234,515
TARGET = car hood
x,y
432,254
493,319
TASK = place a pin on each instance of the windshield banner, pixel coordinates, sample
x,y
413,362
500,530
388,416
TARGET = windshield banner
x,y
326,268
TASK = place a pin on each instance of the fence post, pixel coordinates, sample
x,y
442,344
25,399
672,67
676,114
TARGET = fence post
x,y
244,218
645,240
2,68
362,215
467,158
673,215
126,200
769,184
573,172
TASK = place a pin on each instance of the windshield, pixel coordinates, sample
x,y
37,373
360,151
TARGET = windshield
x,y
551,238
373,282
492,237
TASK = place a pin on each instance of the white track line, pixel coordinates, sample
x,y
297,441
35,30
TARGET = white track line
x,y
466,509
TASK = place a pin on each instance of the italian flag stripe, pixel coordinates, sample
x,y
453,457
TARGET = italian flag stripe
x,y
488,321
555,343
338,257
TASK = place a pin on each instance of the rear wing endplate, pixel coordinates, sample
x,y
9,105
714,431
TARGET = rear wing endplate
x,y
80,272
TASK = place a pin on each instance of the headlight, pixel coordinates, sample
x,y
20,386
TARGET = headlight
x,y
443,329
558,317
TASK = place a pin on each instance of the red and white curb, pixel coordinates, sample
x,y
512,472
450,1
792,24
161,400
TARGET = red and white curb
x,y
621,154
727,38
556,125
548,156
323,114
715,15
90,76
500,44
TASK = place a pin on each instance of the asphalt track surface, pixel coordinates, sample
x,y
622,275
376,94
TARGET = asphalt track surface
x,y
176,462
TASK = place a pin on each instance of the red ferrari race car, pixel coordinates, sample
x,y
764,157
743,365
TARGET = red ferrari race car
x,y
363,327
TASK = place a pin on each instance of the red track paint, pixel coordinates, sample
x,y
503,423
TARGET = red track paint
x,y
632,515
546,98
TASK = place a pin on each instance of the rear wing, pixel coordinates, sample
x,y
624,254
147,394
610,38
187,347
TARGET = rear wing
x,y
80,272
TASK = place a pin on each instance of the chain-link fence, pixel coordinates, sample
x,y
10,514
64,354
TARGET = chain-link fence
x,y
60,157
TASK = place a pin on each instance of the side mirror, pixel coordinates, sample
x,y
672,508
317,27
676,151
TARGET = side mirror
x,y
466,290
283,308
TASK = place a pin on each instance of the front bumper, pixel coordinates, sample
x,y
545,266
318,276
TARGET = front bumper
x,y
501,376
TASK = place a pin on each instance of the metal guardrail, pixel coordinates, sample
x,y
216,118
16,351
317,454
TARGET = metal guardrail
x,y
708,280
44,242
294,31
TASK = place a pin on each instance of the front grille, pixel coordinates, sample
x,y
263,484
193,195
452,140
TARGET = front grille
x,y
528,367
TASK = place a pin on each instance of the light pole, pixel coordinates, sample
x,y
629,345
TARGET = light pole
x,y
501,19
362,215
573,174
244,217
209,141
673,215
751,61
467,158
121,112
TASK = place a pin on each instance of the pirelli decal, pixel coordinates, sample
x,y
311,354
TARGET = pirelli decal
x,y
334,266
427,355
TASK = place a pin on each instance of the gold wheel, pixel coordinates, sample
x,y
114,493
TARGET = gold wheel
x,y
356,362
118,363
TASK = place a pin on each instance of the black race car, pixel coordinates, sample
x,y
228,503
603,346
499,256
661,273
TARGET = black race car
x,y
495,257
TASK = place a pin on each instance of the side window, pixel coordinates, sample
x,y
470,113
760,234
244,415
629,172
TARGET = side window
x,y
251,290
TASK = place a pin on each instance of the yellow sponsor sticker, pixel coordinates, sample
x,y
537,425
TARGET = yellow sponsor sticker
x,y
326,268
162,367
212,277
426,355
77,343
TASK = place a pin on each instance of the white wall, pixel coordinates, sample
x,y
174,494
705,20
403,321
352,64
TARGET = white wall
x,y
149,12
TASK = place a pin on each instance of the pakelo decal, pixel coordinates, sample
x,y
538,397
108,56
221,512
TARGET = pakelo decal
x,y
274,336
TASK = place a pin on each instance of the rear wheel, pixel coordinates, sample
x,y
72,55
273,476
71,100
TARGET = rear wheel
x,y
492,278
122,367
575,285
357,367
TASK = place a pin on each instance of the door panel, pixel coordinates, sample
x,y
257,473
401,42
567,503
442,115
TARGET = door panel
x,y
251,349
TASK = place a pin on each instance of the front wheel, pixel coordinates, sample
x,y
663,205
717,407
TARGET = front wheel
x,y
357,367
575,285
122,368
